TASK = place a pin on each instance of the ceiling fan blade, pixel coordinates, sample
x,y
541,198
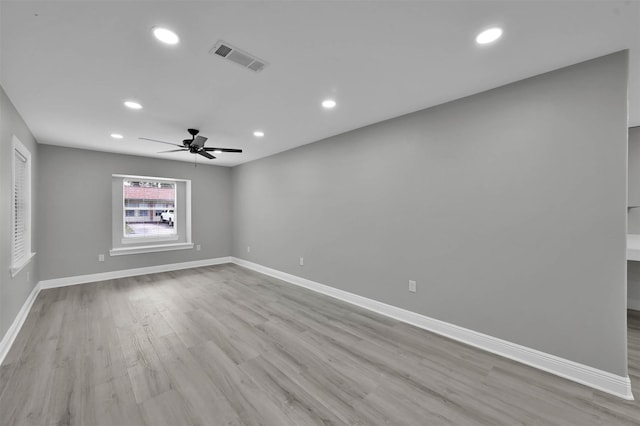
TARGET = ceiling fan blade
x,y
206,154
155,140
174,150
223,149
199,141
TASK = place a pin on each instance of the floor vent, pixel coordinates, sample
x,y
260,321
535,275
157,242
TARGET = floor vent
x,y
225,50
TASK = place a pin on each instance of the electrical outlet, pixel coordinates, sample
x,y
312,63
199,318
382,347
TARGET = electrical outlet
x,y
301,261
101,258
248,249
198,247
412,286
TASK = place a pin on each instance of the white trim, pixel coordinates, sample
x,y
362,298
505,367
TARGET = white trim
x,y
124,273
602,380
123,245
18,322
187,211
633,247
15,269
150,178
137,249
598,379
120,251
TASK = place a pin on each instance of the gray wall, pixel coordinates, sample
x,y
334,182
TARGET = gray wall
x,y
75,199
14,291
508,208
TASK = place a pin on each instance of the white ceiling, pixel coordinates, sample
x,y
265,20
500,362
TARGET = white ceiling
x,y
68,66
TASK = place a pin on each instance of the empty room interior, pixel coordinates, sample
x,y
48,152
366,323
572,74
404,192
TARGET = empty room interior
x,y
319,212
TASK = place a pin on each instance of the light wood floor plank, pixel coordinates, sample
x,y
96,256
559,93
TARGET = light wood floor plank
x,y
224,345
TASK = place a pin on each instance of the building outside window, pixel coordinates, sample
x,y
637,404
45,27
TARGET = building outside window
x,y
144,204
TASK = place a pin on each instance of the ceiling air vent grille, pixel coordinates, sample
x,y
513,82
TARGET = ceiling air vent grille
x,y
223,50
238,56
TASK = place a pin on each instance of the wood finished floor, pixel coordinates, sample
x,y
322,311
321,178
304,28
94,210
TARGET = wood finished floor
x,y
223,345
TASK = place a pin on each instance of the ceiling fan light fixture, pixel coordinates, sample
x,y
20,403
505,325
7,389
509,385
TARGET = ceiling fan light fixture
x,y
116,135
489,36
132,105
328,104
217,151
166,36
258,133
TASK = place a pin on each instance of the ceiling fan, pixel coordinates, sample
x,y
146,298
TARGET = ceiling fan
x,y
195,145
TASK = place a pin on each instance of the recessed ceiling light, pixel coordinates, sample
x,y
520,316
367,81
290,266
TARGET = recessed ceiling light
x,y
116,135
217,151
166,36
258,133
489,36
132,105
328,103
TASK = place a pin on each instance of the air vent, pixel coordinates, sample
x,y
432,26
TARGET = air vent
x,y
223,50
238,56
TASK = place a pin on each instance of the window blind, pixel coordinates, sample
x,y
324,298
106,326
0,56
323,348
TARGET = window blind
x,y
20,194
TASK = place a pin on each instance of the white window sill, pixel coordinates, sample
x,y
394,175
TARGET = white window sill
x,y
15,269
633,247
120,251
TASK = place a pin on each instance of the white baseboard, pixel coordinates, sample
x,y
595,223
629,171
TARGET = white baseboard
x,y
607,382
14,329
12,332
633,304
598,379
83,279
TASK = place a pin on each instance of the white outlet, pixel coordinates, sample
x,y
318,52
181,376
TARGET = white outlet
x,y
412,286
101,258
198,247
301,261
248,249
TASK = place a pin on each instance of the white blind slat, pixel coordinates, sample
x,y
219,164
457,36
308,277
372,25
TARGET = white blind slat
x,y
20,203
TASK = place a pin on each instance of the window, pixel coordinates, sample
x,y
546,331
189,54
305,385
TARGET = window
x,y
21,208
150,214
138,196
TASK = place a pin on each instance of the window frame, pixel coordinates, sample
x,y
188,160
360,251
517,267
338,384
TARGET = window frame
x,y
17,264
127,245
